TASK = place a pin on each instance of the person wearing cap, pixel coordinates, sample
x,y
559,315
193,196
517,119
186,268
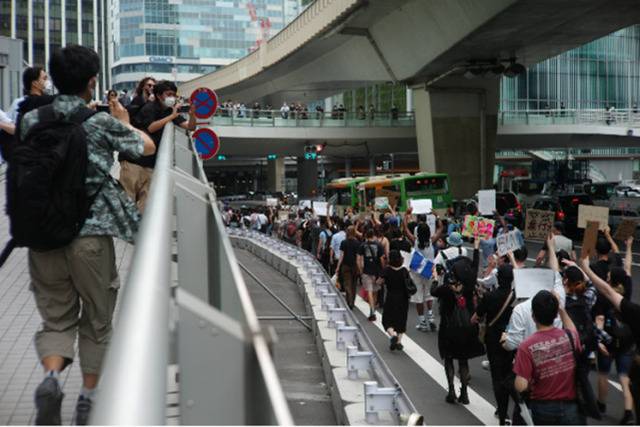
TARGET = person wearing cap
x,y
495,308
562,243
455,249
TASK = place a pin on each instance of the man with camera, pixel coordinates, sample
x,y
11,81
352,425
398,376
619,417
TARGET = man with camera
x,y
135,174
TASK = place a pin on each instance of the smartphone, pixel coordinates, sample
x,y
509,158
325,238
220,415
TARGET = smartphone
x,y
102,108
185,108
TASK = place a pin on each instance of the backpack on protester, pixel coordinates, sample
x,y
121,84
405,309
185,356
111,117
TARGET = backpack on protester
x,y
47,201
449,262
290,232
580,314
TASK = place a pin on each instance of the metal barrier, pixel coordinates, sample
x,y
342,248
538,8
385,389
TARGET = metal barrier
x,y
194,312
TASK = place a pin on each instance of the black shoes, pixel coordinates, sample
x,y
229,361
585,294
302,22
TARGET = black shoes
x,y
464,397
627,418
83,410
48,402
393,343
451,397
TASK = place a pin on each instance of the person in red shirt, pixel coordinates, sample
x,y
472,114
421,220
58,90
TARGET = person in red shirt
x,y
545,365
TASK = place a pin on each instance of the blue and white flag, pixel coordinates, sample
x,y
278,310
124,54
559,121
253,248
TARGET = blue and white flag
x,y
419,264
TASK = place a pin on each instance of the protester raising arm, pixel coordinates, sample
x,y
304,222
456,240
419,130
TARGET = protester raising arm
x,y
603,287
405,226
553,259
614,245
628,255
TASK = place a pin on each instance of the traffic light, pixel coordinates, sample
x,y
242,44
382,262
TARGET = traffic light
x,y
310,152
222,157
271,156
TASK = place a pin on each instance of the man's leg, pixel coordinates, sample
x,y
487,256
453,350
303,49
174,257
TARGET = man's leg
x,y
58,305
92,265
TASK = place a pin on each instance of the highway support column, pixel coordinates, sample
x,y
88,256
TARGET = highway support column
x,y
275,174
307,178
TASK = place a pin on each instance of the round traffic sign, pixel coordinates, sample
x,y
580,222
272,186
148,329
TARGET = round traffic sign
x,y
207,143
206,102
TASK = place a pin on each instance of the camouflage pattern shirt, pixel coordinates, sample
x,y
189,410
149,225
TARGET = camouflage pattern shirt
x,y
113,213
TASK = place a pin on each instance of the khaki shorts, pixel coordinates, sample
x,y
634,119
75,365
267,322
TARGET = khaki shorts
x,y
369,283
75,290
135,180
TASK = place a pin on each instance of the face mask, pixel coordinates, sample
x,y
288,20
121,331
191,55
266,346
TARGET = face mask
x,y
48,87
170,101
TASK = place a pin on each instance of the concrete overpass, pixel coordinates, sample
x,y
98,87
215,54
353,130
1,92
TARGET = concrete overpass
x,y
336,45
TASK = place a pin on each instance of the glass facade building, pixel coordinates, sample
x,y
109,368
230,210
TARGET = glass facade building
x,y
182,39
45,25
601,74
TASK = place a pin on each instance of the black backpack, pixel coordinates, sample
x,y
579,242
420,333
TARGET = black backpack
x,y
47,201
580,314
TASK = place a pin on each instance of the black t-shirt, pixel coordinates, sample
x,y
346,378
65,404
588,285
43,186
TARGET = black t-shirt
x,y
630,313
149,113
372,252
400,245
490,306
349,248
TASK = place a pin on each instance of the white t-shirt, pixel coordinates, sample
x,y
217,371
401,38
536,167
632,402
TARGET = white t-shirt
x,y
4,117
563,243
451,253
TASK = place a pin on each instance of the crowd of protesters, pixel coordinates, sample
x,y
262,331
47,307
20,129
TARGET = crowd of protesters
x,y
537,348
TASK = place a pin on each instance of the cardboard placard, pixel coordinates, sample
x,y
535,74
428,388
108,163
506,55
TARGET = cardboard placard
x,y
599,214
486,202
538,224
283,216
381,203
304,204
507,242
589,240
626,229
320,208
272,201
529,281
421,206
483,226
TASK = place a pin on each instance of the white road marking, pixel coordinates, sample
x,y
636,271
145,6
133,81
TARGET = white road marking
x,y
479,407
616,385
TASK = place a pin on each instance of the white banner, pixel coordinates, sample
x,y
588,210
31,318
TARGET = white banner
x,y
486,202
421,206
530,281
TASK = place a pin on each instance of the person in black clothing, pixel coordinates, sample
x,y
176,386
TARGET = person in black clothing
x,y
496,308
370,263
347,265
396,304
457,336
135,174
398,242
143,94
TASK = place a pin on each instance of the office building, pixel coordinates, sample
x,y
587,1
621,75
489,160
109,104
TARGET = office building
x,y
45,25
180,40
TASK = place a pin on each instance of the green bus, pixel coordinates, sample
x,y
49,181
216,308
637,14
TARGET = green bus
x,y
343,192
401,188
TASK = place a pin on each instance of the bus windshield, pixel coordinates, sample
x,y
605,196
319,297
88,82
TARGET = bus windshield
x,y
343,195
416,186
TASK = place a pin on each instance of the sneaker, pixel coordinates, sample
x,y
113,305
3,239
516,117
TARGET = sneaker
x,y
48,402
372,318
422,326
399,347
83,410
393,343
627,418
602,407
485,365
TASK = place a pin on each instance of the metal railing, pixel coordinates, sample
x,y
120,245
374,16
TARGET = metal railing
x,y
277,118
629,118
606,152
194,312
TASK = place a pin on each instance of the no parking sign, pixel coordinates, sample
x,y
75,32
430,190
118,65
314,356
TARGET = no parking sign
x,y
207,143
206,102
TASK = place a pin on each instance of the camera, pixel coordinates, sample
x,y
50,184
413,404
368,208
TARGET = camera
x,y
184,108
102,108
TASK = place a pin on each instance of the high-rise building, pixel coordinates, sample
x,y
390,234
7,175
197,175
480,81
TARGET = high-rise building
x,y
180,40
45,25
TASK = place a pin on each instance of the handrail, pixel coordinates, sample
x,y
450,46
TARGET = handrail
x,y
133,384
627,117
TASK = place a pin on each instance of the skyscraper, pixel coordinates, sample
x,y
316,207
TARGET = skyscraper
x,y
181,39
45,25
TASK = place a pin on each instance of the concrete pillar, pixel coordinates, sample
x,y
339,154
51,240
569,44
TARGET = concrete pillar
x,y
307,178
372,165
456,126
409,99
347,167
275,174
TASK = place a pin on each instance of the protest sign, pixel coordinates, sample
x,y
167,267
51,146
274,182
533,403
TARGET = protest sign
x,y
272,201
589,240
599,214
486,202
320,208
538,224
421,206
381,203
626,229
529,281
283,216
477,224
507,242
304,204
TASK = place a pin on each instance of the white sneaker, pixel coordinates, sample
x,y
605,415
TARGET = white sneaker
x,y
485,365
422,326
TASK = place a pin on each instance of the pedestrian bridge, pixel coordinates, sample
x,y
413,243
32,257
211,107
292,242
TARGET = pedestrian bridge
x,y
572,128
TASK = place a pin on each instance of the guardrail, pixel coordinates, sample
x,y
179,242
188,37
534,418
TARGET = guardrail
x,y
193,313
277,118
605,152
623,117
